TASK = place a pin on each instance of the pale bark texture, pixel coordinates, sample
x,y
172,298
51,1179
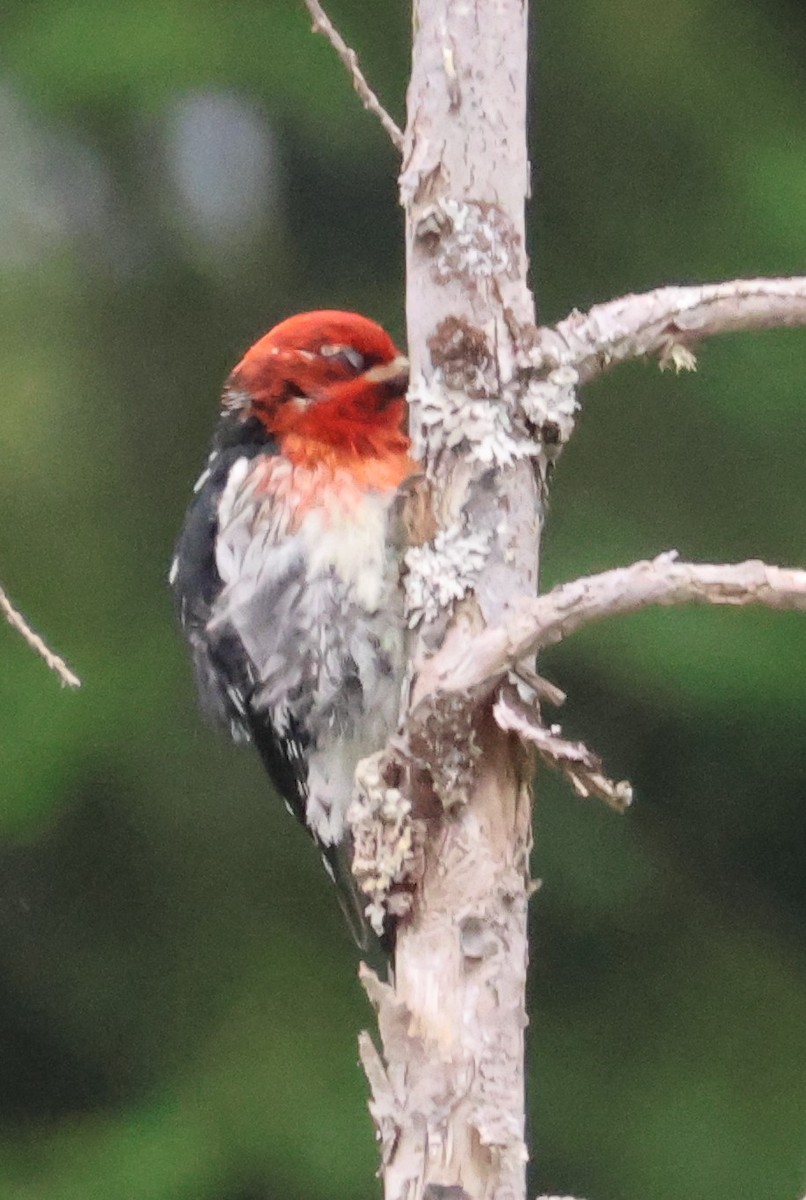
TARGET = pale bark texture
x,y
534,624
666,322
448,1085
442,818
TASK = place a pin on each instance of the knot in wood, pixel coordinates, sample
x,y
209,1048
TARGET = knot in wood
x,y
461,351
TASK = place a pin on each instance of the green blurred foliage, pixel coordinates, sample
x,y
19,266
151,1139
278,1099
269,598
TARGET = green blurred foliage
x,y
178,1005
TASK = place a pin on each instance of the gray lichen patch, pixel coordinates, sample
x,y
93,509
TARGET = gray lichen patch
x,y
442,572
549,405
469,240
484,430
469,410
387,843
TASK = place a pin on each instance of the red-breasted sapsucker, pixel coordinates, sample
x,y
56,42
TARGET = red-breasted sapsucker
x,y
286,574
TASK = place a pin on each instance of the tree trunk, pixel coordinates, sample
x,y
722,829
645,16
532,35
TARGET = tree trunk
x,y
448,1093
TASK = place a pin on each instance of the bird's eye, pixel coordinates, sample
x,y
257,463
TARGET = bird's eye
x,y
347,356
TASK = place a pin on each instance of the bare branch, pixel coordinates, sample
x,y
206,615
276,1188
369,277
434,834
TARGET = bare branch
x,y
665,322
476,664
323,24
18,622
581,766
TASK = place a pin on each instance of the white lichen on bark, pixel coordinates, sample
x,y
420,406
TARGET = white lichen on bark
x,y
387,843
442,572
447,1079
484,429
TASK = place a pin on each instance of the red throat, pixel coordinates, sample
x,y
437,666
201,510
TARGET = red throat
x,y
330,433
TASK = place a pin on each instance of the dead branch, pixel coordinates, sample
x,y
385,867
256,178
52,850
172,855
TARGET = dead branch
x,y
580,765
451,687
474,665
323,24
17,621
664,323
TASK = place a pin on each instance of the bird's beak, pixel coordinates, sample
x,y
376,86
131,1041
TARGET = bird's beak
x,y
395,374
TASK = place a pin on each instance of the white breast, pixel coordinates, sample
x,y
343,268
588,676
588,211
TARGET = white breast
x,y
350,537
311,590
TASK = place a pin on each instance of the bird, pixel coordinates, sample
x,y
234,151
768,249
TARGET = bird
x,y
286,575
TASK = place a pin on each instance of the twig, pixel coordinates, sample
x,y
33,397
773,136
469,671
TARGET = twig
x,y
322,24
18,622
475,665
665,322
579,764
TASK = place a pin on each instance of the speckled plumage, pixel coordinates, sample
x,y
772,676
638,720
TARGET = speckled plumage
x,y
287,569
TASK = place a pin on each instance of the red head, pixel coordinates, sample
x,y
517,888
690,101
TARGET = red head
x,y
328,385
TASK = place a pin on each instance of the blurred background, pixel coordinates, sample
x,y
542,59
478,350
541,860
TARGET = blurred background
x,y
178,1003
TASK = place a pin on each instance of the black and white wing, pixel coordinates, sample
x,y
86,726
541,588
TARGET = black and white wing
x,y
225,676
